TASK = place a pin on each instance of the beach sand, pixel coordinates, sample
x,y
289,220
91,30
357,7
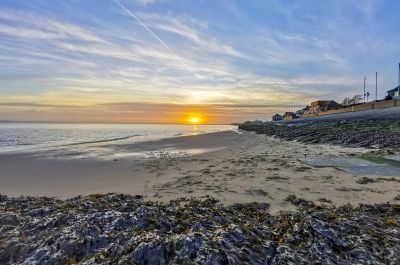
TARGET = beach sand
x,y
229,166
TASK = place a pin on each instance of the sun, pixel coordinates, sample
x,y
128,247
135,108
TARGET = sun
x,y
194,120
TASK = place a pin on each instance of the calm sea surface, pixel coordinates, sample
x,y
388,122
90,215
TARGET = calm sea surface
x,y
31,137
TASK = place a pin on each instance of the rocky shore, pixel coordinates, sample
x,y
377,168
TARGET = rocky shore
x,y
121,229
354,133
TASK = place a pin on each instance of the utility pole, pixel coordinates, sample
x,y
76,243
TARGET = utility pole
x,y
376,86
398,84
365,80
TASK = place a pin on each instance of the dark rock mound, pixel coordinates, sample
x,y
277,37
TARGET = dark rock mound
x,y
120,229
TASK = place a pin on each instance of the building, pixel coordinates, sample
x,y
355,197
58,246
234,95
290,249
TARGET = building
x,y
301,112
394,93
324,105
277,117
290,116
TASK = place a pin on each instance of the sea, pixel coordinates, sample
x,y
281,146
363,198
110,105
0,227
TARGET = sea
x,y
41,137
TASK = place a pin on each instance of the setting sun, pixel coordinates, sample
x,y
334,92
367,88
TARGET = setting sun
x,y
194,120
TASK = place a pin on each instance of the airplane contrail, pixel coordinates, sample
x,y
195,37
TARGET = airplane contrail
x,y
155,36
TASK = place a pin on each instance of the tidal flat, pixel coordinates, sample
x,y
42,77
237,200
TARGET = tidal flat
x,y
236,168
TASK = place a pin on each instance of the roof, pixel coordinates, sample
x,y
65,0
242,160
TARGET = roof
x,y
323,102
394,89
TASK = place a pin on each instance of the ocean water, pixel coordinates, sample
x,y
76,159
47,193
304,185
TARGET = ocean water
x,y
40,137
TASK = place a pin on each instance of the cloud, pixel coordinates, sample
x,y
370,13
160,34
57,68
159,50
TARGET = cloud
x,y
30,25
244,65
28,33
35,105
146,2
367,7
134,112
180,26
99,50
155,36
135,54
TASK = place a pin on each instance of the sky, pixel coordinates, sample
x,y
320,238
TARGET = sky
x,y
167,61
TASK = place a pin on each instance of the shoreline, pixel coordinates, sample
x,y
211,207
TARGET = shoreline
x,y
83,137
60,175
238,168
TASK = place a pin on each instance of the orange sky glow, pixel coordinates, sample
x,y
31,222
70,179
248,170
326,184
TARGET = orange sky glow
x,y
131,113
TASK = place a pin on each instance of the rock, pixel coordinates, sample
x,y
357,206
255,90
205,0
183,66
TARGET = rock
x,y
188,247
9,219
217,259
383,133
154,252
365,180
121,229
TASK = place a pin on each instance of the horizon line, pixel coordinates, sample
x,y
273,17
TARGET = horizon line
x,y
144,123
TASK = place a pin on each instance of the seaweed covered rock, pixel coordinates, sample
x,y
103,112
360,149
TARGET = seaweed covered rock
x,y
354,133
121,229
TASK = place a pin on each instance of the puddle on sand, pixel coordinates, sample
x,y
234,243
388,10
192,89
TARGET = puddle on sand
x,y
355,166
393,157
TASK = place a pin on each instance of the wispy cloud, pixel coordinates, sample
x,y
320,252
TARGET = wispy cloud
x,y
155,36
180,26
146,2
136,112
368,7
249,58
33,25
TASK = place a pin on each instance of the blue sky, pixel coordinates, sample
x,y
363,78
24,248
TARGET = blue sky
x,y
91,60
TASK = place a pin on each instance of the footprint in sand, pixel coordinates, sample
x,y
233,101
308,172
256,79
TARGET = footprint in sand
x,y
276,178
303,169
205,171
257,192
347,189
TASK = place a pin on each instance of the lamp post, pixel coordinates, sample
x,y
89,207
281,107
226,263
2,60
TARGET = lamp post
x,y
398,84
376,86
365,80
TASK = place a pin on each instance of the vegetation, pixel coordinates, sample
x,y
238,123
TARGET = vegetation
x,y
352,101
359,133
122,229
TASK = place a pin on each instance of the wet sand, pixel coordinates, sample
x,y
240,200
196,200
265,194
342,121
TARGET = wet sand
x,y
236,168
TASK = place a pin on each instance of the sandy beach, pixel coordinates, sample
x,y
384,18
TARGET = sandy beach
x,y
229,166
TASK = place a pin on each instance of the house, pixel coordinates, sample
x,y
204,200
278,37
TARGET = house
x,y
290,116
324,105
394,93
301,112
277,117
